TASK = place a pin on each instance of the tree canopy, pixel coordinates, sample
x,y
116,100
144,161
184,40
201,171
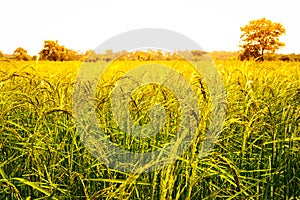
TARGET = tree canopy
x,y
54,52
21,54
260,36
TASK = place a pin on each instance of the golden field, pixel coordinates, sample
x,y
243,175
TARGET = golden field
x,y
255,157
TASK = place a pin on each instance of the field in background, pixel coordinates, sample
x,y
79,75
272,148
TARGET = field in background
x,y
256,157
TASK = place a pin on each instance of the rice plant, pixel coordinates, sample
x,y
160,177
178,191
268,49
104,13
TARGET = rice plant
x,y
256,156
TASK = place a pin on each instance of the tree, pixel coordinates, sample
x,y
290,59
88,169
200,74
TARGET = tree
x,y
54,52
260,36
198,55
90,56
109,55
21,54
1,54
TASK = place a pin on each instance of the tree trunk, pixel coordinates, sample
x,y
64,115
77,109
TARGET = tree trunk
x,y
262,54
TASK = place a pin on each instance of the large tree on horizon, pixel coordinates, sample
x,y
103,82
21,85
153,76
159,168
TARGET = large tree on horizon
x,y
260,36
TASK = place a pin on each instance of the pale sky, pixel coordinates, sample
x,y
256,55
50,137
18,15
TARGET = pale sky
x,y
83,25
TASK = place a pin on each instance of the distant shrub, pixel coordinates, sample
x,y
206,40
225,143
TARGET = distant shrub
x,y
21,54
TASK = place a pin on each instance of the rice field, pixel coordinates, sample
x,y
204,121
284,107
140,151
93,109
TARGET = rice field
x,y
255,157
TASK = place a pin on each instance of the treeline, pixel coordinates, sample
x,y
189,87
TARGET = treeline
x,y
227,55
150,55
283,57
53,51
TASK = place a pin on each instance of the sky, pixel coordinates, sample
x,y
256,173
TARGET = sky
x,y
82,25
